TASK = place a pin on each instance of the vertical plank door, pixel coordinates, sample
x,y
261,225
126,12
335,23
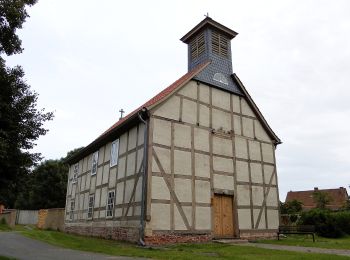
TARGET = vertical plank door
x,y
223,216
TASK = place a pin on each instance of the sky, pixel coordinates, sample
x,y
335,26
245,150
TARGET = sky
x,y
88,59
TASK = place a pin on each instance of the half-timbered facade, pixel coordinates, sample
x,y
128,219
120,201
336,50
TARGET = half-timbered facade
x,y
193,163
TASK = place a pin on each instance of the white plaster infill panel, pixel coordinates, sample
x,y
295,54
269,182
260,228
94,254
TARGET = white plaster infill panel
x,y
246,110
164,158
132,138
221,120
161,132
236,104
267,152
169,109
204,117
160,216
244,219
201,139
248,128
223,182
254,150
243,195
189,111
262,224
182,136
202,165
159,189
182,162
222,164
202,189
204,93
203,218
258,195
256,172
242,171
272,219
241,148
222,146
221,99
268,170
183,189
189,90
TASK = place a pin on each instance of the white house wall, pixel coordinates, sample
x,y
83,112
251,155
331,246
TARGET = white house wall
x,y
204,141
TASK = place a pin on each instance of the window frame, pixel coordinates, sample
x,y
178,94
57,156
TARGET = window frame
x,y
110,204
115,155
94,162
75,173
72,208
91,203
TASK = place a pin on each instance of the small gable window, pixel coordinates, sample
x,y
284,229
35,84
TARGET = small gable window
x,y
114,153
197,46
219,44
94,163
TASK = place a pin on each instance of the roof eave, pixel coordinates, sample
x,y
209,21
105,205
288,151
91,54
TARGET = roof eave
x,y
266,126
105,138
211,23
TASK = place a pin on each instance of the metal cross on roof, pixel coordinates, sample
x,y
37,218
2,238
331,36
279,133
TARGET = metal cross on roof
x,y
121,113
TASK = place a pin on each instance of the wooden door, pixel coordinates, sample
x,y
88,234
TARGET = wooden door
x,y
223,216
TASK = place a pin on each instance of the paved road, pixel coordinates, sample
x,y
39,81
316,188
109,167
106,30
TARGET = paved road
x,y
15,245
302,249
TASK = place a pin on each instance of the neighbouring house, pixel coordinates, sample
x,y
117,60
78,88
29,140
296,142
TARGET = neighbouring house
x,y
195,162
338,198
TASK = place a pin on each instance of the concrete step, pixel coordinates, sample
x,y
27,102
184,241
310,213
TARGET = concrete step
x,y
231,241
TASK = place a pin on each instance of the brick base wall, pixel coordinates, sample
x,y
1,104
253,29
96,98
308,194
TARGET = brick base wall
x,y
116,233
163,239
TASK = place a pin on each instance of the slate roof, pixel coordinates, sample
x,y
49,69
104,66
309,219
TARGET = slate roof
x,y
339,197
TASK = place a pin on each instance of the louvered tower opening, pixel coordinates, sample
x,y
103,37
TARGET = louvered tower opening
x,y
197,46
219,44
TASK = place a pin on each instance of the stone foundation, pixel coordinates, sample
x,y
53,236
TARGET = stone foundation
x,y
254,235
116,233
163,239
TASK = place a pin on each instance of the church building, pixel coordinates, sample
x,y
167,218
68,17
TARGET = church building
x,y
194,163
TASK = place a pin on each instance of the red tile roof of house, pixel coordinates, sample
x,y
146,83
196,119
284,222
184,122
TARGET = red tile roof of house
x,y
339,197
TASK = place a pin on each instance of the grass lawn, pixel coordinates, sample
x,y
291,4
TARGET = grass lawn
x,y
184,251
4,227
306,240
6,258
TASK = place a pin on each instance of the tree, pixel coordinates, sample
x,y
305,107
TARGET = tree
x,y
321,199
46,186
21,123
12,16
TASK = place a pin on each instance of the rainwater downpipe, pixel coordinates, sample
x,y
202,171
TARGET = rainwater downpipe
x,y
143,112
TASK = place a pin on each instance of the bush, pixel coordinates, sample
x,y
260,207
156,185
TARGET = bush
x,y
343,220
324,221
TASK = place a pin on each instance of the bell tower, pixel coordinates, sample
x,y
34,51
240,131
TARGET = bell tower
x,y
210,40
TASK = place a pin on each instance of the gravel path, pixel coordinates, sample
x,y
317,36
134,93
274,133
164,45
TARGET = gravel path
x,y
342,252
13,244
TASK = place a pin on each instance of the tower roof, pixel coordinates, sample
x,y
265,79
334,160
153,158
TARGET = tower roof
x,y
208,22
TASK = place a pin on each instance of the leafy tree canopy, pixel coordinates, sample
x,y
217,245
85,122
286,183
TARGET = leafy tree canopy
x,y
12,16
291,207
46,186
21,123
